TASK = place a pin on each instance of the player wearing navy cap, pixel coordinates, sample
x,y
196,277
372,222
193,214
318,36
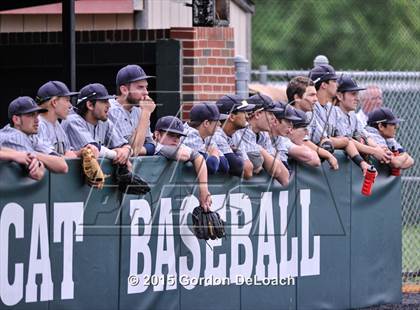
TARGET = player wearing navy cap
x,y
168,133
237,110
349,125
204,120
130,111
20,134
253,141
382,128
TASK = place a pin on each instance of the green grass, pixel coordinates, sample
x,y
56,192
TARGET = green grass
x,y
411,248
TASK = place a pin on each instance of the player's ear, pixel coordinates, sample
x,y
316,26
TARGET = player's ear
x,y
16,120
340,96
296,98
89,105
124,89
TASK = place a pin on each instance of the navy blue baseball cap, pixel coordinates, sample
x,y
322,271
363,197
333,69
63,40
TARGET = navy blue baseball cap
x,y
206,111
95,91
23,105
382,115
322,73
347,84
285,111
52,89
263,103
170,124
233,103
131,73
302,121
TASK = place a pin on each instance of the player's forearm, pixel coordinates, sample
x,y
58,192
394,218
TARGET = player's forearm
x,y
139,135
339,142
201,170
318,150
363,148
402,161
303,154
275,168
53,163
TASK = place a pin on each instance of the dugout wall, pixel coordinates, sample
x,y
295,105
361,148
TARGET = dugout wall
x,y
66,246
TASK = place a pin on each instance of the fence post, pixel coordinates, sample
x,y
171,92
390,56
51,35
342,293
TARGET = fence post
x,y
241,76
263,74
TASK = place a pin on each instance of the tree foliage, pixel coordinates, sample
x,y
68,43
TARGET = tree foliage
x,y
353,34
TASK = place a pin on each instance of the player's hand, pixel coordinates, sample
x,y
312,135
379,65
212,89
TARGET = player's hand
x,y
123,153
205,200
213,151
36,168
183,153
147,104
23,158
94,150
333,162
384,155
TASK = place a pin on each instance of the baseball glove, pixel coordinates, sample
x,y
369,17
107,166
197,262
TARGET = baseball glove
x,y
92,170
130,183
207,225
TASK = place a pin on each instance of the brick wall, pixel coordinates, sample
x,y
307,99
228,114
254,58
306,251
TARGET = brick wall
x,y
207,70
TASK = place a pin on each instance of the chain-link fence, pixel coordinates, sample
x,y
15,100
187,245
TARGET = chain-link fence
x,y
401,92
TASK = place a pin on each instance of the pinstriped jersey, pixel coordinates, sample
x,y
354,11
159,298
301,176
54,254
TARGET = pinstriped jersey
x,y
349,125
126,121
53,135
15,139
80,133
323,122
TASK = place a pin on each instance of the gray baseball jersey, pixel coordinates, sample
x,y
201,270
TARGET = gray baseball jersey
x,y
169,151
126,121
226,145
349,125
246,141
195,141
391,143
282,145
53,135
15,139
80,133
323,122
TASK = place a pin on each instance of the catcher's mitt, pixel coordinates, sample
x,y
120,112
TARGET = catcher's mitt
x,y
130,183
92,170
207,225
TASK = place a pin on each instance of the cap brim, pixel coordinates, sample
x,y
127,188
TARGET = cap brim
x,y
248,108
274,110
395,121
40,110
174,131
105,97
141,78
70,94
223,117
292,118
351,89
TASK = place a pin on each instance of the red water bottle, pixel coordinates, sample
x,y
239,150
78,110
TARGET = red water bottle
x,y
368,181
395,171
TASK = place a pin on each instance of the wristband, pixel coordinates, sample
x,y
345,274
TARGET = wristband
x,y
357,159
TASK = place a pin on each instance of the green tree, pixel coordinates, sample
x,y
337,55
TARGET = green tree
x,y
353,34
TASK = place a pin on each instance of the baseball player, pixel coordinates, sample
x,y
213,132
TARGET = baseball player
x,y
20,134
168,133
204,120
130,111
301,94
283,146
323,127
253,141
349,125
54,97
382,127
90,125
237,110
36,169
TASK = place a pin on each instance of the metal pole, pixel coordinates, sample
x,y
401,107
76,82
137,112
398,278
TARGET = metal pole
x,y
69,43
242,76
263,74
